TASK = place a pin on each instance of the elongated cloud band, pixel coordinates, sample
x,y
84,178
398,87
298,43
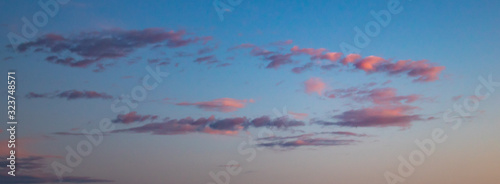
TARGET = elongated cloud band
x,y
376,117
221,104
226,126
133,117
71,95
308,142
421,71
389,108
88,48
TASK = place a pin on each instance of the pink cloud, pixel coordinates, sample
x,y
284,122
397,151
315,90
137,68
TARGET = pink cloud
x,y
388,96
278,59
207,59
421,71
308,142
299,116
95,47
226,126
133,117
314,53
456,98
351,58
379,96
343,133
232,124
390,109
221,104
71,95
242,46
314,85
257,51
387,82
224,65
317,53
332,56
301,69
170,127
209,130
380,116
369,64
331,96
207,49
281,122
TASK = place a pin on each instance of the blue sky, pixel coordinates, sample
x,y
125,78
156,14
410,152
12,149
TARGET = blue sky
x,y
339,121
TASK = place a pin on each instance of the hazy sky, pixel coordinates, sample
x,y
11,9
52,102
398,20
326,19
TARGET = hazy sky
x,y
284,92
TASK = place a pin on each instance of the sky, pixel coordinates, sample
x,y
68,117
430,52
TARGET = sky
x,y
239,91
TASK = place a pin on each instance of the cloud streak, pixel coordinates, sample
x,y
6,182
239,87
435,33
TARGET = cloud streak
x,y
211,125
380,116
132,117
71,95
389,110
219,105
420,71
308,142
25,179
378,96
89,48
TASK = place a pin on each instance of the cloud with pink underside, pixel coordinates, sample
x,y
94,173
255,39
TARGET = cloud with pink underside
x,y
220,105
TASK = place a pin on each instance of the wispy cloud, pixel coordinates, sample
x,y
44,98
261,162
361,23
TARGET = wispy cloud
x,y
314,85
88,48
379,96
211,125
380,116
207,59
308,142
221,104
420,71
71,95
132,117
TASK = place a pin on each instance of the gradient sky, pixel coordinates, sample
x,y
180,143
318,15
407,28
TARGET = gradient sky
x,y
336,116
